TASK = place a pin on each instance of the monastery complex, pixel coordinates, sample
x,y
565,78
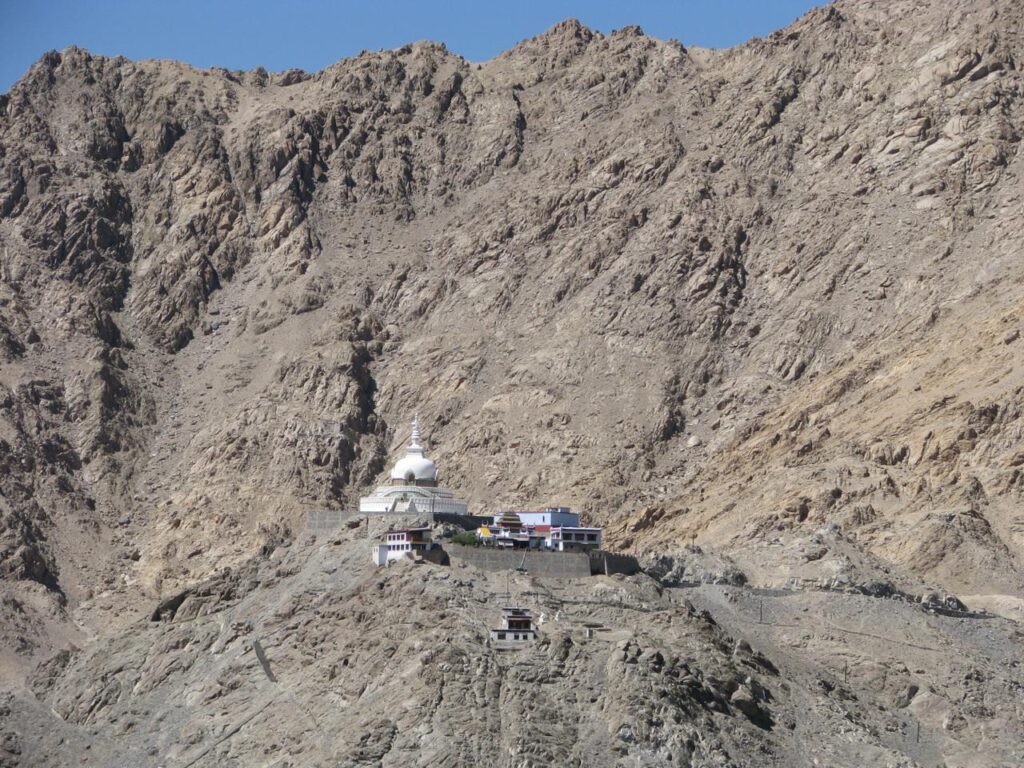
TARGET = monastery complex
x,y
413,489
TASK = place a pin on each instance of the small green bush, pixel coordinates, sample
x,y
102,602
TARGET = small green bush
x,y
466,539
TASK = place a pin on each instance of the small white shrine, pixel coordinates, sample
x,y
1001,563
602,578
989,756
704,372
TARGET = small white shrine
x,y
413,488
517,629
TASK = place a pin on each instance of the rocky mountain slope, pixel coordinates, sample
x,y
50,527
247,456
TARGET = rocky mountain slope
x,y
734,297
314,657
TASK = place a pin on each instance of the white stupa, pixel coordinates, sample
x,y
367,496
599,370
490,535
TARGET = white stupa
x,y
413,486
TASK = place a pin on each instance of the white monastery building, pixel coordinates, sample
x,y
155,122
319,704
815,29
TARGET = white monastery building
x,y
555,516
413,488
553,528
397,544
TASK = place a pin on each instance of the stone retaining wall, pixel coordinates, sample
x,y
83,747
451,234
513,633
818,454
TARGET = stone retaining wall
x,y
610,563
558,565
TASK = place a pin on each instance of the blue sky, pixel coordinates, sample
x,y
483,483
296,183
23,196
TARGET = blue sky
x,y
310,34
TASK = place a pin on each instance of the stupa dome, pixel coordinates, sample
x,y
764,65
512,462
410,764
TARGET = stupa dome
x,y
412,487
414,465
414,468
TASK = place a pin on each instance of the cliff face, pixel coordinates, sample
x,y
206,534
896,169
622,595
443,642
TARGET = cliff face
x,y
725,296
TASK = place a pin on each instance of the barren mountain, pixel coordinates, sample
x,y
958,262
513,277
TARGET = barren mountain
x,y
767,300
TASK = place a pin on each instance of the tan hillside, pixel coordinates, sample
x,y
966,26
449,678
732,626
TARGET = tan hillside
x,y
765,300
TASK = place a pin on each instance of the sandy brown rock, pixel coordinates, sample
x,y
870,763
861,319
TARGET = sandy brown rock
x,y
762,303
311,655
